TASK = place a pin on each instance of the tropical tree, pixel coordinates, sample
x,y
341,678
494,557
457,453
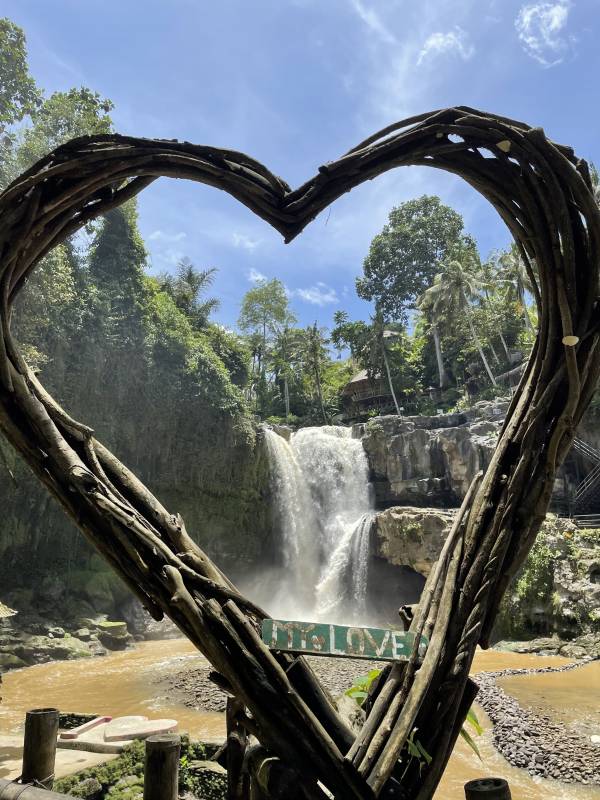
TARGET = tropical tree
x,y
63,116
512,275
426,304
452,292
315,357
381,340
374,346
187,288
404,258
264,315
19,96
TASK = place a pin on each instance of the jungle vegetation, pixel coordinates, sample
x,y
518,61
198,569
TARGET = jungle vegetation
x,y
447,324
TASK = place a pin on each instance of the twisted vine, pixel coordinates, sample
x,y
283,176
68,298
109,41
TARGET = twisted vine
x,y
544,194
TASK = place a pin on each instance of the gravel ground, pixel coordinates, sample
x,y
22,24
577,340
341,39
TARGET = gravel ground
x,y
535,742
195,690
527,740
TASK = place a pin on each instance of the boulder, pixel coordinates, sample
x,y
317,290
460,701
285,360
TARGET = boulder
x,y
40,649
209,779
411,537
114,635
10,661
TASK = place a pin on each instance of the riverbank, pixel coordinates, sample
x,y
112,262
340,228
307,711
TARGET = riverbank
x,y
528,740
137,681
534,741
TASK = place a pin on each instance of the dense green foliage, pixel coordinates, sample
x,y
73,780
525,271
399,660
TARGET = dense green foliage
x,y
123,777
135,356
419,235
533,604
19,95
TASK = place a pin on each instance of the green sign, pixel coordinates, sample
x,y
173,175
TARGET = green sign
x,y
323,639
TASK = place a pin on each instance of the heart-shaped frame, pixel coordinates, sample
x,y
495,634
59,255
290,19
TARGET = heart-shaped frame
x,y
545,196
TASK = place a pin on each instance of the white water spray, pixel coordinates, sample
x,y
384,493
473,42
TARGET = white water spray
x,y
323,516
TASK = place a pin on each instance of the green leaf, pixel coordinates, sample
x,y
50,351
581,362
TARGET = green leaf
x,y
423,752
474,722
469,740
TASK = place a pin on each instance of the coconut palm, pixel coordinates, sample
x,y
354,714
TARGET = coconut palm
x,y
451,294
425,303
380,340
513,276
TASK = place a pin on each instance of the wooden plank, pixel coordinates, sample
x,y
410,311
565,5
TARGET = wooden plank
x,y
342,641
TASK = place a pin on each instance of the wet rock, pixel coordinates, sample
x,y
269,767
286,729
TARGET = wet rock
x,y
586,646
41,649
114,635
10,661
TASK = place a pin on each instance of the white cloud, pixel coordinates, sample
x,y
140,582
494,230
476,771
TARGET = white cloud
x,y
453,42
161,236
254,276
373,21
319,295
241,240
541,30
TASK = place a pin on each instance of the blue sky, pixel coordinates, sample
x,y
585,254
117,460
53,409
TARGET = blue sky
x,y
298,82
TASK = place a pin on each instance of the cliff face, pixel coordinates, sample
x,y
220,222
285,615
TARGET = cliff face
x,y
556,592
429,461
217,481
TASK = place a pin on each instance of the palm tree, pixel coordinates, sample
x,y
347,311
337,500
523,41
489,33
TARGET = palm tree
x,y
452,293
513,275
425,303
186,288
380,337
314,353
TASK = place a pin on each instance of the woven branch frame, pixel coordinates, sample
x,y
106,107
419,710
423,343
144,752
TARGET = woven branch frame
x,y
544,195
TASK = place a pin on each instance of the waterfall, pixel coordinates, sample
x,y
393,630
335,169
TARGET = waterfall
x,y
323,518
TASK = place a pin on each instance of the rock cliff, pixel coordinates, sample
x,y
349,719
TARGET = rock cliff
x,y
557,592
429,461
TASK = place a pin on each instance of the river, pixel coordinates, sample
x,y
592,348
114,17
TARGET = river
x,y
130,683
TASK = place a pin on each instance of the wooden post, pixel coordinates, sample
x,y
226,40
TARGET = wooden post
x,y
161,772
237,740
39,747
487,789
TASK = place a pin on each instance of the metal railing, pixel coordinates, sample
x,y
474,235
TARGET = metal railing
x,y
587,520
586,449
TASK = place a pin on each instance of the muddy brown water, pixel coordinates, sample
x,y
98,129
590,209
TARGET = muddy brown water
x,y
129,683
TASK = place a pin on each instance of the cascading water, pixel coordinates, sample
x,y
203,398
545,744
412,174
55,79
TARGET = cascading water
x,y
323,516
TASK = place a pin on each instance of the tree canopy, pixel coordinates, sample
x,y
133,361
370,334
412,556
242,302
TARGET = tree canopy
x,y
404,258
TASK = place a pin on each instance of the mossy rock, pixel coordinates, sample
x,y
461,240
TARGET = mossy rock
x,y
114,628
89,789
206,779
10,661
